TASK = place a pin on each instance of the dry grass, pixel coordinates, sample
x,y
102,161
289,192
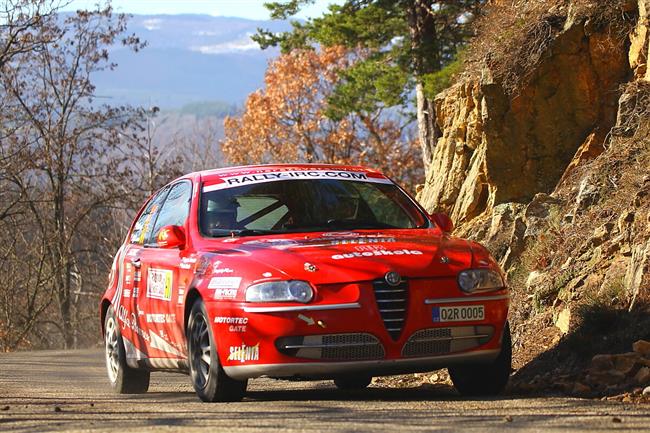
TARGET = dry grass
x,y
513,38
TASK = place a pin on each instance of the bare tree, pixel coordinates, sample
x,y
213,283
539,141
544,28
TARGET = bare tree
x,y
75,165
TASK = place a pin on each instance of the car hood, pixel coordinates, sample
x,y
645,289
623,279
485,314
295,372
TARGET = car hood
x,y
335,257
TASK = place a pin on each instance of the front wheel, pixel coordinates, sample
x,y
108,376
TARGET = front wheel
x,y
123,379
210,381
485,379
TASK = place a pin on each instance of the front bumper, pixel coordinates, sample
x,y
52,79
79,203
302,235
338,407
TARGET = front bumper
x,y
345,331
323,370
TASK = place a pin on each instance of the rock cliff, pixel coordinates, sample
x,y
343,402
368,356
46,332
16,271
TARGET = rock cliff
x,y
544,156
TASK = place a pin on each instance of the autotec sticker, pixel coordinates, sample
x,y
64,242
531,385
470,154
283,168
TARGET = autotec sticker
x,y
272,176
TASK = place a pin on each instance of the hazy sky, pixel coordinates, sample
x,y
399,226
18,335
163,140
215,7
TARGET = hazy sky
x,y
251,9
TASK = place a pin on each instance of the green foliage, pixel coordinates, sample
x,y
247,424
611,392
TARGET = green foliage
x,y
438,81
367,85
400,42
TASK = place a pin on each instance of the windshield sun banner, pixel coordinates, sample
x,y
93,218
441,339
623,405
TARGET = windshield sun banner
x,y
250,178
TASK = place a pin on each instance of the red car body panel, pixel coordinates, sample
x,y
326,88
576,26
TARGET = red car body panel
x,y
151,289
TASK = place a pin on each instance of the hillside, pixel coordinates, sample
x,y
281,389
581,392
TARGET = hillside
x,y
188,58
544,156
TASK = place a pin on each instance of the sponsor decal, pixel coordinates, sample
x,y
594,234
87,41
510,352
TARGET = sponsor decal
x,y
267,274
236,324
325,241
308,320
217,270
223,271
358,254
187,262
126,293
159,284
145,226
181,294
136,291
232,181
310,267
224,283
159,342
244,353
225,293
161,318
131,322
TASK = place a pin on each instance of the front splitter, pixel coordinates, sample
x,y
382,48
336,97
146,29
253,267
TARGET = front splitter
x,y
322,370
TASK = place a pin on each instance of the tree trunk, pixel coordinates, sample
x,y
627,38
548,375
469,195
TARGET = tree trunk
x,y
425,60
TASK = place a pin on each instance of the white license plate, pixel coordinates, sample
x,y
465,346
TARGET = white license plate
x,y
458,314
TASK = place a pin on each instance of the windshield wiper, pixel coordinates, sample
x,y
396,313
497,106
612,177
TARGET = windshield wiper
x,y
342,224
253,232
358,224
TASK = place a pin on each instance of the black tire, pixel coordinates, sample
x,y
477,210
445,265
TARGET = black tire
x,y
349,383
210,381
123,379
485,379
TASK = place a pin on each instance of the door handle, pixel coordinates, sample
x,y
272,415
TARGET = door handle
x,y
136,263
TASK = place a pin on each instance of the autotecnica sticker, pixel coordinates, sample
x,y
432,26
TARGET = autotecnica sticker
x,y
358,254
244,353
231,181
159,284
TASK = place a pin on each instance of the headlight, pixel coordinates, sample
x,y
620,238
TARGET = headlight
x,y
479,280
280,291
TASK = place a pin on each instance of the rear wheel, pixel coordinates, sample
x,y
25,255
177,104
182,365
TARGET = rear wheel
x,y
210,381
123,379
352,382
485,379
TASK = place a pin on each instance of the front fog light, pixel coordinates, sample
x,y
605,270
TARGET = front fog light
x,y
280,291
480,280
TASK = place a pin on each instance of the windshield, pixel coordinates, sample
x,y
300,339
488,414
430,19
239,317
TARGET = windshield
x,y
291,206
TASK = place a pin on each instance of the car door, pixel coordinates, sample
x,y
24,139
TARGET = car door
x,y
162,312
130,284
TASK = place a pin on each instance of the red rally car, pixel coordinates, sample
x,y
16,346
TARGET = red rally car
x,y
305,272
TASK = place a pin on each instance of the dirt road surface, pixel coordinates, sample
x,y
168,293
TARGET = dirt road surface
x,y
68,391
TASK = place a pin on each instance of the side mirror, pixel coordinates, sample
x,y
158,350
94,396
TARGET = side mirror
x,y
171,237
443,221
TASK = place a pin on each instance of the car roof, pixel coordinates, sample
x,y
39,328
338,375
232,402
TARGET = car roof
x,y
246,169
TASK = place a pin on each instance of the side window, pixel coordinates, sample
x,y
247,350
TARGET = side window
x,y
175,209
143,225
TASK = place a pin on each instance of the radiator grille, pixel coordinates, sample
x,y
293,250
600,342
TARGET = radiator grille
x,y
333,347
435,341
441,341
392,302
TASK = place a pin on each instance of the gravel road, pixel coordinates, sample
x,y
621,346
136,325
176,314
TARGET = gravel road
x,y
68,391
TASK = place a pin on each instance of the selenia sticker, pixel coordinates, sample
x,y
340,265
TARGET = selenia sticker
x,y
244,353
159,284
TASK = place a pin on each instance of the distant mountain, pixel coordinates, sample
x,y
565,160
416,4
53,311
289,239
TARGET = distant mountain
x,y
189,59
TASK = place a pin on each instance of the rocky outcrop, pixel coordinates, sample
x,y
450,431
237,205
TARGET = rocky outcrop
x,y
497,147
553,178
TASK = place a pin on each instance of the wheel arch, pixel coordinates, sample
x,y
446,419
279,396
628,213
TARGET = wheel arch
x,y
191,298
103,309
